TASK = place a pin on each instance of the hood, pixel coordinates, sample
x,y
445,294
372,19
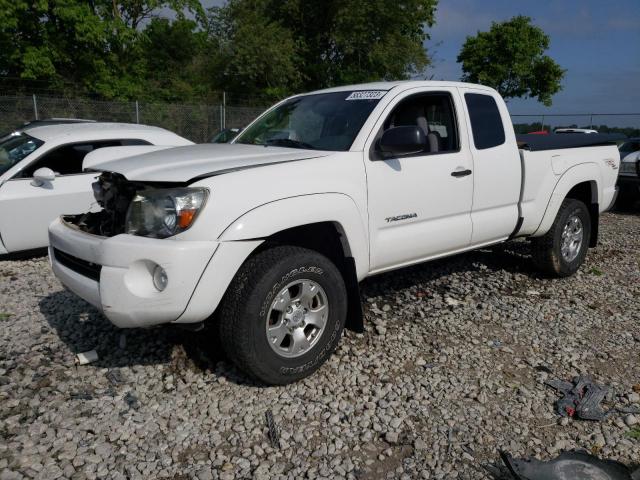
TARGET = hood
x,y
190,163
94,159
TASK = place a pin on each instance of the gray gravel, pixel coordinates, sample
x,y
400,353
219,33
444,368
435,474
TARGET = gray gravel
x,y
450,369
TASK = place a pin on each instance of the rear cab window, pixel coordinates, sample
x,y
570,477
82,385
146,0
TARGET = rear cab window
x,y
486,121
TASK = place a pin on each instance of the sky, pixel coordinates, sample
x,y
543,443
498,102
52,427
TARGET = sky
x,y
596,41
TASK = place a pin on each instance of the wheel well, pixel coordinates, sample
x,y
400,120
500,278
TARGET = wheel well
x,y
587,193
329,239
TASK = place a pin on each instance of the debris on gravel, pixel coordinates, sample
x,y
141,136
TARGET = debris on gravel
x,y
450,370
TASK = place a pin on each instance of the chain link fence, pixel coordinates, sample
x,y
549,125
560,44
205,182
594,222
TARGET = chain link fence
x,y
625,123
199,122
196,122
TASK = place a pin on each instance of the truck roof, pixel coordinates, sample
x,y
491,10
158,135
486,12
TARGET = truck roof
x,y
404,84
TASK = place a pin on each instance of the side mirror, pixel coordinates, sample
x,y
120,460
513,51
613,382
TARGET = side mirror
x,y
404,140
43,176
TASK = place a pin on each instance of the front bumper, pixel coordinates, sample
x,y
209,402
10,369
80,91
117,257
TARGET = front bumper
x,y
115,274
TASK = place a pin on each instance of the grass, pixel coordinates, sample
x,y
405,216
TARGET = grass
x,y
634,433
4,316
596,271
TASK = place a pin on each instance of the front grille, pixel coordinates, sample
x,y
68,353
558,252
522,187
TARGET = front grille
x,y
88,269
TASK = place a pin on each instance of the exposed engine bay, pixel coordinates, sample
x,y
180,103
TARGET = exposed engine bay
x,y
114,193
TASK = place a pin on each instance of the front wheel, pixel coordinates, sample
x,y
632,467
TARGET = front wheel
x,y
283,314
562,250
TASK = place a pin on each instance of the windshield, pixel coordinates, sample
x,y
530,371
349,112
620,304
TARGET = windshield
x,y
14,148
326,121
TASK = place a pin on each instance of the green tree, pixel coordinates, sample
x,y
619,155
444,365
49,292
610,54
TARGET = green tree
x,y
510,58
256,55
94,45
174,56
320,44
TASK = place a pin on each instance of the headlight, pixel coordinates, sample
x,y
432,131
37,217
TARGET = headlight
x,y
160,213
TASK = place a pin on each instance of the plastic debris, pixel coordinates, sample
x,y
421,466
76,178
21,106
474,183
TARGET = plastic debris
x,y
580,398
570,465
84,358
115,377
274,435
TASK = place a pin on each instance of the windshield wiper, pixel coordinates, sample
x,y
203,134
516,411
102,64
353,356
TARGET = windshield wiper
x,y
287,142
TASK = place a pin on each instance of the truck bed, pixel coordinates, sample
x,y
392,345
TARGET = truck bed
x,y
535,143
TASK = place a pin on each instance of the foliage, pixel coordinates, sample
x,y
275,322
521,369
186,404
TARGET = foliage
x,y
634,433
510,58
332,42
94,45
174,50
255,53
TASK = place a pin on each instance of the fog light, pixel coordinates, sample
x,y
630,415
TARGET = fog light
x,y
160,278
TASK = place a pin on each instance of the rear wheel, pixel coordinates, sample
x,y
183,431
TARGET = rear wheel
x,y
283,314
562,250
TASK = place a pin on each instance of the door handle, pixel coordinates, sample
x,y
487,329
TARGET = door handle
x,y
461,173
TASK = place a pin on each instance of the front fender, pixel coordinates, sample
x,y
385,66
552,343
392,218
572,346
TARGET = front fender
x,y
273,217
584,172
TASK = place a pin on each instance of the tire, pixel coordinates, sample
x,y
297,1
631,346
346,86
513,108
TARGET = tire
x,y
262,296
548,255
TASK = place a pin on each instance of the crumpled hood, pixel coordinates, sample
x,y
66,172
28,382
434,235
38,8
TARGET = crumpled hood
x,y
185,164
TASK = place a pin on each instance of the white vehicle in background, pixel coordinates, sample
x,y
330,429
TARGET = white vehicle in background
x,y
267,237
575,130
629,177
42,177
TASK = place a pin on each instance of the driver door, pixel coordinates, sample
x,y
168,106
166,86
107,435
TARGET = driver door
x,y
420,204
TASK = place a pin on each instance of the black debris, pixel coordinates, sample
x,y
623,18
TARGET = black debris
x,y
81,395
131,400
543,368
115,377
581,398
274,435
570,465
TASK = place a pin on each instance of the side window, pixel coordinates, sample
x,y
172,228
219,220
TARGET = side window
x,y
434,114
486,122
67,160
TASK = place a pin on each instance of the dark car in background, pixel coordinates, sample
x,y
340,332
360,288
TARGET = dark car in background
x,y
225,135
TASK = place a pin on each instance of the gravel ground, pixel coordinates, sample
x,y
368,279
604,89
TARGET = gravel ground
x,y
450,370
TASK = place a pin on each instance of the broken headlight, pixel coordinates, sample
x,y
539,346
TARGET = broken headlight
x,y
161,213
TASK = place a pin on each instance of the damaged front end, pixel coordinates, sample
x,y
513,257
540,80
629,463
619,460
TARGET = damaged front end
x,y
141,209
114,194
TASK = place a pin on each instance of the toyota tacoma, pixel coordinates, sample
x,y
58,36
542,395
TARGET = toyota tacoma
x,y
267,238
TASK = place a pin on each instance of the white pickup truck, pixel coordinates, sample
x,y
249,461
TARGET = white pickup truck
x,y
267,237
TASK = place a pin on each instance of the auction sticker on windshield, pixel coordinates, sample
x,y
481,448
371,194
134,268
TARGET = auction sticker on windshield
x,y
367,95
